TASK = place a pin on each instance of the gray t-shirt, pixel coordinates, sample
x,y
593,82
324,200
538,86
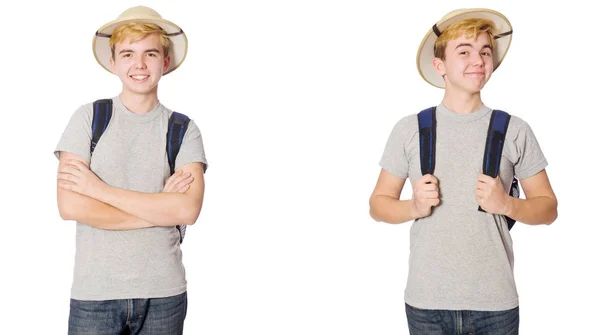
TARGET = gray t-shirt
x,y
131,154
460,258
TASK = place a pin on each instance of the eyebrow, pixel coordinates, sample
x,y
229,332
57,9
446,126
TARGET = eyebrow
x,y
470,45
129,50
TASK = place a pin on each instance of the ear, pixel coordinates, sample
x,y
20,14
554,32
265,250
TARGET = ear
x,y
112,66
439,66
167,63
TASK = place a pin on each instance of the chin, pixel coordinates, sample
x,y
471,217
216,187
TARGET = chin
x,y
138,91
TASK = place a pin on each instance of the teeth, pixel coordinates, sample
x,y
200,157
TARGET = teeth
x,y
139,77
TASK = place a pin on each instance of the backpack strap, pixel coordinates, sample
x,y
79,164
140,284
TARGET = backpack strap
x,y
493,152
102,115
178,124
427,126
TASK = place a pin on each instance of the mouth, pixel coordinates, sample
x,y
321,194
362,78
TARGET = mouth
x,y
138,78
475,74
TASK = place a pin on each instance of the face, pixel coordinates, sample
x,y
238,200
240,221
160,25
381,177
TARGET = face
x,y
469,63
140,65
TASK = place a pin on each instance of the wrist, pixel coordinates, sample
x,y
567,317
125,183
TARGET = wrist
x,y
509,206
413,213
100,192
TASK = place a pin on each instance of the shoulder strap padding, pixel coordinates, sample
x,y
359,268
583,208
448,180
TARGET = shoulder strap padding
x,y
178,124
101,118
495,142
427,138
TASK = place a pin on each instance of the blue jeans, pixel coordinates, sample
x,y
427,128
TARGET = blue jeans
x,y
156,316
444,322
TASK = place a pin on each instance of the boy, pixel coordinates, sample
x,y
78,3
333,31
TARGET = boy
x,y
461,262
129,276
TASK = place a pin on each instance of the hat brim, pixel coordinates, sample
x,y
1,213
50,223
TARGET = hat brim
x,y
177,50
425,53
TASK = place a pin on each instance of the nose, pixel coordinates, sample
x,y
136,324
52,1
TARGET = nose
x,y
139,62
478,60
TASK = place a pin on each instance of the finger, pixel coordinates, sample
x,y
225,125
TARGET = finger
x,y
176,176
429,178
482,186
187,180
485,178
65,185
70,169
432,202
479,193
78,164
184,182
432,195
430,187
66,176
184,188
427,195
179,180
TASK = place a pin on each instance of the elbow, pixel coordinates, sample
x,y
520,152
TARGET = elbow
x,y
65,212
373,215
66,216
372,211
553,213
190,216
552,217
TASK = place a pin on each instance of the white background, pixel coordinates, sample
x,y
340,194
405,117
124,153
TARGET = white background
x,y
295,101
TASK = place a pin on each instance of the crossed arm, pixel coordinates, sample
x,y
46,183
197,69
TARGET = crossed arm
x,y
83,197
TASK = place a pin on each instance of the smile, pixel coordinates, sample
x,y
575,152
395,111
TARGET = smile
x,y
139,78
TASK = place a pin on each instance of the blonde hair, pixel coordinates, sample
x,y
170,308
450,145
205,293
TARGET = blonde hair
x,y
136,32
469,28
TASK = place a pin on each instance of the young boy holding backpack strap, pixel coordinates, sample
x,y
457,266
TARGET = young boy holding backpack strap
x,y
131,174
465,161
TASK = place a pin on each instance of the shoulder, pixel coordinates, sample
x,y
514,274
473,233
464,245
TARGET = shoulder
x,y
408,123
83,113
517,127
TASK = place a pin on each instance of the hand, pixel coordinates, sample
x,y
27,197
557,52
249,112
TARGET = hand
x,y
426,195
490,195
179,182
75,176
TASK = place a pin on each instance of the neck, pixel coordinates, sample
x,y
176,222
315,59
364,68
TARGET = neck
x,y
139,103
462,102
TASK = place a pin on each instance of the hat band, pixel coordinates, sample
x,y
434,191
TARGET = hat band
x,y
503,34
437,32
99,34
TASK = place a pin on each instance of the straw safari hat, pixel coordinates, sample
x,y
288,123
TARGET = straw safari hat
x,y
425,54
140,14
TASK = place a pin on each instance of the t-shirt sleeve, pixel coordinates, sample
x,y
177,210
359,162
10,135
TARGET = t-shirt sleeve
x,y
192,147
77,136
531,159
394,159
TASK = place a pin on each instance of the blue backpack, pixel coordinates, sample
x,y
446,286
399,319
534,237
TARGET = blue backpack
x,y
491,157
177,126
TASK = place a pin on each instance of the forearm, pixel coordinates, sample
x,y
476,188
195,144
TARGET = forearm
x,y
89,211
159,209
387,209
534,211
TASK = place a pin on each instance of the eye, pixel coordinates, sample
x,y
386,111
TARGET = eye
x,y
125,55
464,52
152,54
486,53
